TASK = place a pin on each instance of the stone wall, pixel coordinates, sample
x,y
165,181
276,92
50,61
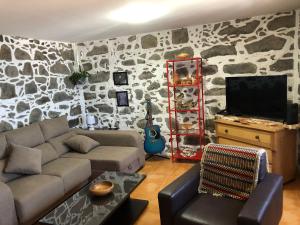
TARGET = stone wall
x,y
34,74
262,45
33,82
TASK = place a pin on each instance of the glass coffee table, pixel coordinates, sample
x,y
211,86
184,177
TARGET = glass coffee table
x,y
116,208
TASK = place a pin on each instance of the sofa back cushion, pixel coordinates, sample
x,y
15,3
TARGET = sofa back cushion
x,y
54,127
6,177
59,143
29,136
48,152
3,146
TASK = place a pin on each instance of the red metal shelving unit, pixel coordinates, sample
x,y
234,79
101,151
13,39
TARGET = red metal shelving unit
x,y
176,86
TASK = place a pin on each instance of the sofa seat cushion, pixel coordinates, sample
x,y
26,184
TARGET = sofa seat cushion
x,y
202,210
58,143
34,194
72,171
113,158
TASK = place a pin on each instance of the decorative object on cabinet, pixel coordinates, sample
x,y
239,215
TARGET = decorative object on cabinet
x,y
186,108
120,78
279,142
122,98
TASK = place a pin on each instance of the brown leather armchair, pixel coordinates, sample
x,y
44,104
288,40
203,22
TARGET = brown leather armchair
x,y
181,204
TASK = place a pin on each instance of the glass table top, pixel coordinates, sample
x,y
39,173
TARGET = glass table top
x,y
85,209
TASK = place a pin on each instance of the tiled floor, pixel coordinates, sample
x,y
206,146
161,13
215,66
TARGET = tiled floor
x,y
161,172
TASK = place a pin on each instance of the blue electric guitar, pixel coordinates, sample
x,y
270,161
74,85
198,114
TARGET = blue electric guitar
x,y
154,142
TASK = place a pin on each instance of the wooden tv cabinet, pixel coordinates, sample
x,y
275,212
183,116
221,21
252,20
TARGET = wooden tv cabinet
x,y
279,142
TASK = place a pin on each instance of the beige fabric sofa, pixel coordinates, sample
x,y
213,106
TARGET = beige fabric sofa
x,y
22,198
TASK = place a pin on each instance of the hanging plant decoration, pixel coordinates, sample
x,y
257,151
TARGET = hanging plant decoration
x,y
79,77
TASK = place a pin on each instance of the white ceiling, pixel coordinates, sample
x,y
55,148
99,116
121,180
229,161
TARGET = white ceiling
x,y
80,20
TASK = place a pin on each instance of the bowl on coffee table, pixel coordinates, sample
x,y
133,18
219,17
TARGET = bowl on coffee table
x,y
101,188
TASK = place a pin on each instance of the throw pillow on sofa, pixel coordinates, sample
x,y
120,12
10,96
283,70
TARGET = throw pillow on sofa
x,y
81,143
24,160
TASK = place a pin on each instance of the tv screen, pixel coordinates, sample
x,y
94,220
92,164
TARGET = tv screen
x,y
259,96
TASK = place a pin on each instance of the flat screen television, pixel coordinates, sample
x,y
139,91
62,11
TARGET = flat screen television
x,y
259,96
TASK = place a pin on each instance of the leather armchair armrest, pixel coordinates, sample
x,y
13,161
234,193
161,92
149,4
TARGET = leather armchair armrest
x,y
7,206
175,196
264,207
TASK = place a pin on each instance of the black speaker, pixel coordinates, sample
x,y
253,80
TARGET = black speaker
x,y
292,113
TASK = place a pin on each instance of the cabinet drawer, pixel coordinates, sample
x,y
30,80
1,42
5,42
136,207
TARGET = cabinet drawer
x,y
226,141
254,137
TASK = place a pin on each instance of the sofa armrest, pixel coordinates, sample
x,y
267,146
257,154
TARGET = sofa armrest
x,y
264,207
128,138
7,206
173,197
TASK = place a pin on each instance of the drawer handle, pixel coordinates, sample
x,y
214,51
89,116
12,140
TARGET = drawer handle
x,y
226,131
257,137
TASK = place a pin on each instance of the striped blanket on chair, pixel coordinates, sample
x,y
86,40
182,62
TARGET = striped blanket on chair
x,y
230,171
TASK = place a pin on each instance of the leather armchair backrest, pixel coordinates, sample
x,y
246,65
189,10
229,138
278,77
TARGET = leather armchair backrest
x,y
262,167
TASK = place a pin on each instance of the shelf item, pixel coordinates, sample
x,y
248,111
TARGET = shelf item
x,y
196,155
186,108
185,105
279,142
182,56
186,126
187,132
184,86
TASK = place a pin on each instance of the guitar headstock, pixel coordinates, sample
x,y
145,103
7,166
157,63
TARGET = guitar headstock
x,y
149,111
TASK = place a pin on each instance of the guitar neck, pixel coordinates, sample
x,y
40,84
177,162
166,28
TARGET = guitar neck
x,y
149,122
149,115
